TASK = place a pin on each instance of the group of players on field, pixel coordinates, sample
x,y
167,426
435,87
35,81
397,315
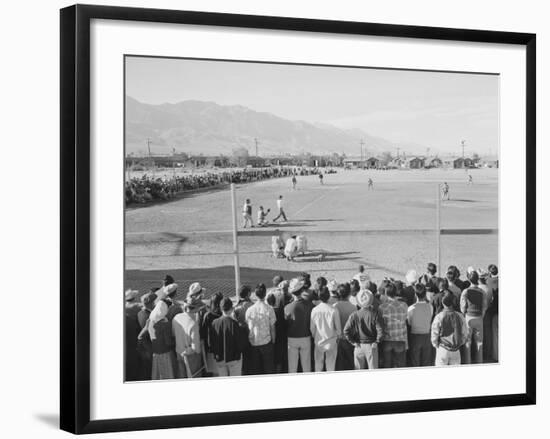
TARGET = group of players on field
x,y
262,213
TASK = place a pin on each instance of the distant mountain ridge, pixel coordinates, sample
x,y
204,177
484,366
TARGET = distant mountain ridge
x,y
208,128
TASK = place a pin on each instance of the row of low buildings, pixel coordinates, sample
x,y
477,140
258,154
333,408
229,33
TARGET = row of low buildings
x,y
421,162
374,162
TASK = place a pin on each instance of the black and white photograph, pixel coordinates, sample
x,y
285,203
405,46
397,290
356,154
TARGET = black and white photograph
x,y
288,218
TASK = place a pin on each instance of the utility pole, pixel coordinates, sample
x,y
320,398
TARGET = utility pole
x,y
397,152
256,143
361,143
463,143
149,147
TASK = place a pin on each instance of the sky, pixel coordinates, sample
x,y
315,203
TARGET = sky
x,y
432,109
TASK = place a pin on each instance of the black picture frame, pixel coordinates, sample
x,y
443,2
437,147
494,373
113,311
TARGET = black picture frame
x,y
75,216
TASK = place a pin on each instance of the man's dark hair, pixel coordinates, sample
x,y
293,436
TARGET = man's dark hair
x,y
260,291
448,300
361,268
442,284
390,290
493,269
343,291
354,286
227,304
473,277
244,291
215,301
324,294
432,268
420,291
451,275
168,280
306,277
321,281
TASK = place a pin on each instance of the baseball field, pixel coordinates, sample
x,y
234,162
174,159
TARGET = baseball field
x,y
389,229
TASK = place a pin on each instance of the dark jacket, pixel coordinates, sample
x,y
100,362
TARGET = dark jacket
x,y
474,302
364,326
298,317
227,339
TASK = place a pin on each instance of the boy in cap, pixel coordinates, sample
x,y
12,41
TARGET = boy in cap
x,y
326,330
298,318
364,330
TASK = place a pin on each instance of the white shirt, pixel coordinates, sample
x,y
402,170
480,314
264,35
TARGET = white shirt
x,y
279,203
291,246
325,325
259,318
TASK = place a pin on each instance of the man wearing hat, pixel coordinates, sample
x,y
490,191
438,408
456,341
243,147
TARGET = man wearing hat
x,y
131,331
144,346
364,329
186,330
345,358
278,297
298,318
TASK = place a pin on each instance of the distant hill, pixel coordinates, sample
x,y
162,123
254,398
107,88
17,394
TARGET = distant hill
x,y
208,128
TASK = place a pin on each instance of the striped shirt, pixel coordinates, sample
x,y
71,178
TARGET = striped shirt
x,y
394,313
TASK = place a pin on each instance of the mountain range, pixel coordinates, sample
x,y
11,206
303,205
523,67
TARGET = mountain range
x,y
198,127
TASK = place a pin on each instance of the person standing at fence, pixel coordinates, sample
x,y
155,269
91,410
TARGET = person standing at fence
x,y
492,285
473,304
247,213
344,359
239,313
131,332
298,317
227,341
261,319
419,319
162,347
394,313
449,333
294,181
186,331
145,348
205,325
364,330
278,297
280,209
326,330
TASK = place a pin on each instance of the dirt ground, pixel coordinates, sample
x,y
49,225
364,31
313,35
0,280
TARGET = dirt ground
x,y
389,229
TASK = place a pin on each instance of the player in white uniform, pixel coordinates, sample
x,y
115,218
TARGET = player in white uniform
x,y
262,216
247,214
281,210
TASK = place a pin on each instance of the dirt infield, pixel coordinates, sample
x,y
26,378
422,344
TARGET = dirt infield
x,y
388,229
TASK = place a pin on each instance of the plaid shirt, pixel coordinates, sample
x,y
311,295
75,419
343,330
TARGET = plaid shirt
x,y
394,313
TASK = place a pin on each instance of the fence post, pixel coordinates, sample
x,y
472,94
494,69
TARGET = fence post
x,y
235,241
438,226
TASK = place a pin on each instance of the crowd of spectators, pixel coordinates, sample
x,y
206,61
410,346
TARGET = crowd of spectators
x,y
302,326
146,188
